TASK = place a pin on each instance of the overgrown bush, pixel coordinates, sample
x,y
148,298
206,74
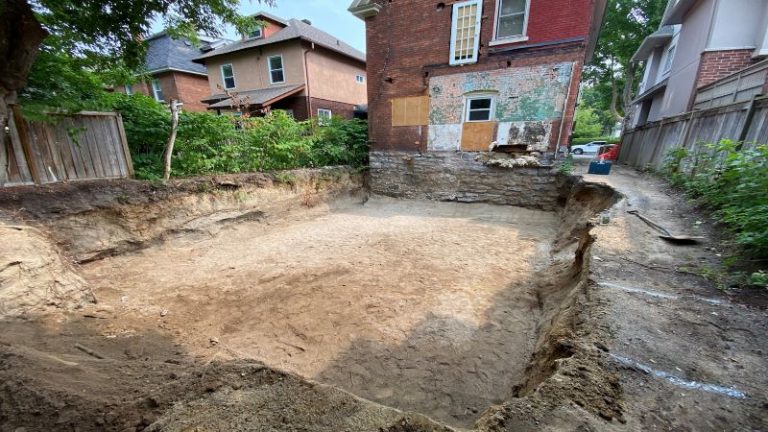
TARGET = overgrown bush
x,y
732,181
209,143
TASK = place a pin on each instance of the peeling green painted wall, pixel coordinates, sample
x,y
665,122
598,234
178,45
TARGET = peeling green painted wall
x,y
535,93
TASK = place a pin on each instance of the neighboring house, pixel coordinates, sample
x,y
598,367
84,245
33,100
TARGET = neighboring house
x,y
699,42
173,74
287,65
459,76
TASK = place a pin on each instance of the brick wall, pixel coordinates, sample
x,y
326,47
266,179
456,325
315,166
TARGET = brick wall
x,y
188,88
719,64
409,41
339,109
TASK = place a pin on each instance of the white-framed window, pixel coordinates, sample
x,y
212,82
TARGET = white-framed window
x,y
258,33
324,115
157,91
228,76
669,57
511,19
128,89
276,70
360,79
479,109
465,32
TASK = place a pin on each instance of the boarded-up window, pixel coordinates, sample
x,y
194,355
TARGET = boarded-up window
x,y
410,111
477,136
465,32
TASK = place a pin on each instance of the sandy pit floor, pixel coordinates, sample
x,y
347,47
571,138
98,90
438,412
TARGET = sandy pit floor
x,y
423,306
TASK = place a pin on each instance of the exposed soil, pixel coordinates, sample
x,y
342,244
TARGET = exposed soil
x,y
241,303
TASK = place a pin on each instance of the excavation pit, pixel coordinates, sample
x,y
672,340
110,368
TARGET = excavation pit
x,y
437,308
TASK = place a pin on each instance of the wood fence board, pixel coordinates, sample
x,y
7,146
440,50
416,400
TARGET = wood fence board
x,y
41,152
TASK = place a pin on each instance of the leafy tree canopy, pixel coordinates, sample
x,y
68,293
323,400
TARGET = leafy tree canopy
x,y
587,123
627,23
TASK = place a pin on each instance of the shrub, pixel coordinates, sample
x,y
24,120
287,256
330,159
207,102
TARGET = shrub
x,y
732,181
208,143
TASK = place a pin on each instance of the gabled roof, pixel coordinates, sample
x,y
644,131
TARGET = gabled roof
x,y
165,53
269,16
660,38
295,30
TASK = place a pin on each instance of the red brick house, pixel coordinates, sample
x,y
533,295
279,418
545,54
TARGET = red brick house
x,y
173,74
505,69
448,80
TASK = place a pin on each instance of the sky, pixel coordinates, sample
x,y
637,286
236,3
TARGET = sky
x,y
330,16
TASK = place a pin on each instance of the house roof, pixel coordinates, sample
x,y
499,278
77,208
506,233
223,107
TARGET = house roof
x,y
259,97
296,29
269,16
676,11
165,53
660,38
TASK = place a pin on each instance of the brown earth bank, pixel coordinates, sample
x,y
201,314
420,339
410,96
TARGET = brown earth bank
x,y
295,301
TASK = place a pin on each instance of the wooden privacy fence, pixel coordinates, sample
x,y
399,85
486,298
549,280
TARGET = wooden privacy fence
x,y
83,146
648,146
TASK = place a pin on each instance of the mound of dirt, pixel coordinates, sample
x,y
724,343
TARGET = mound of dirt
x,y
33,276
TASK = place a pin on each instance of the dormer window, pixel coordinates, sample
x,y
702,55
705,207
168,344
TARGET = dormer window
x,y
256,34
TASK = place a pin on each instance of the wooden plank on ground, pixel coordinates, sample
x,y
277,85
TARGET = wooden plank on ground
x,y
478,136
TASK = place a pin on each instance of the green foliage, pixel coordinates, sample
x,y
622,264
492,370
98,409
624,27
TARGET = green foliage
x,y
732,181
609,140
627,23
207,143
566,167
587,123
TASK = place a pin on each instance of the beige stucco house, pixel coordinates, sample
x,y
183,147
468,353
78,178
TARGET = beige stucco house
x,y
288,65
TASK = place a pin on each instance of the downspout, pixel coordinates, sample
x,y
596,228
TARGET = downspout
x,y
565,111
306,82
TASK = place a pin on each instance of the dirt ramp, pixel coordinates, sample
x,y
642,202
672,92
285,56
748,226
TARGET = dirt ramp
x,y
33,276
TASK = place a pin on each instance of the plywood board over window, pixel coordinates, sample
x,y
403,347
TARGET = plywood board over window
x,y
410,111
478,136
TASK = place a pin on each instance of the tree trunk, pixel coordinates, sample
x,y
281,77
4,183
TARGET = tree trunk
x,y
171,140
20,39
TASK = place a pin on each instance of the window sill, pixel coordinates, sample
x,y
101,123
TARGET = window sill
x,y
507,41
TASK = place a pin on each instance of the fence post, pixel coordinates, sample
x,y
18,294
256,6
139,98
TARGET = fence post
x,y
26,146
124,142
747,123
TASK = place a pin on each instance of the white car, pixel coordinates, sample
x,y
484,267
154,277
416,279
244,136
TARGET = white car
x,y
588,148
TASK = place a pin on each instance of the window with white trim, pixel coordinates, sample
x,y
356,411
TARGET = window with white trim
x,y
157,91
324,116
228,76
511,18
128,89
465,32
479,109
276,70
360,79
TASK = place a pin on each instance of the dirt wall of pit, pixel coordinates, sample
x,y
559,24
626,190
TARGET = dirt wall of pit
x,y
56,227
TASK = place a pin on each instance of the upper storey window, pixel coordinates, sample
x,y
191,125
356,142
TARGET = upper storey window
x,y
512,19
465,32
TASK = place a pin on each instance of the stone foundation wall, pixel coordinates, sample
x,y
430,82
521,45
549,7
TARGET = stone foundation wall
x,y
464,177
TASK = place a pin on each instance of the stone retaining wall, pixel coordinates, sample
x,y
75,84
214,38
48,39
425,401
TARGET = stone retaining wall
x,y
464,177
